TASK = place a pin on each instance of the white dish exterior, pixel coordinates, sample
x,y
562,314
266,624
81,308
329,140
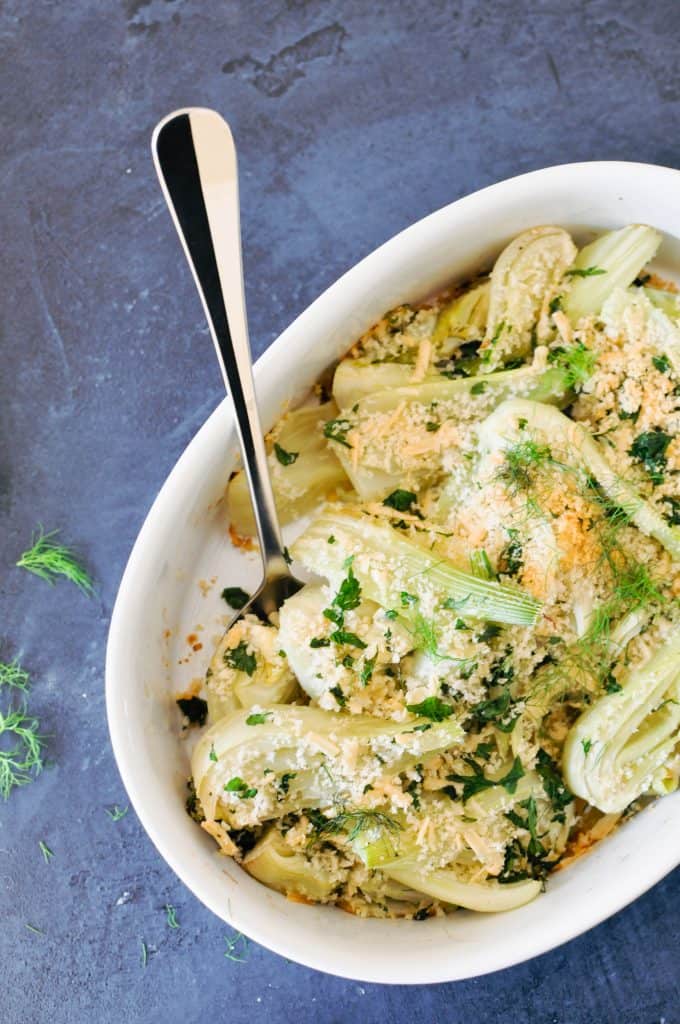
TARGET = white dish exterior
x,y
183,541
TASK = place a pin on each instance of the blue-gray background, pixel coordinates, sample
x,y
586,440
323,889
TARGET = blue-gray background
x,y
352,120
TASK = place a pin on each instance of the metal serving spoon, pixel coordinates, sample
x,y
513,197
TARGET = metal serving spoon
x,y
195,158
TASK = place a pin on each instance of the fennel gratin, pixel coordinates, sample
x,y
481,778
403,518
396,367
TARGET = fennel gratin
x,y
485,678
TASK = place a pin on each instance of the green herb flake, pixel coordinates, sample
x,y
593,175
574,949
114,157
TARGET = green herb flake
x,y
649,448
478,782
345,637
240,658
240,788
553,784
339,695
337,430
433,708
116,813
45,850
478,388
402,501
258,718
212,756
194,708
585,272
662,363
366,673
284,785
407,599
171,916
672,515
319,641
586,744
236,597
237,948
284,457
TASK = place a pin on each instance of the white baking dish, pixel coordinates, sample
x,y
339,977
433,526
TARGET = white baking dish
x,y
184,541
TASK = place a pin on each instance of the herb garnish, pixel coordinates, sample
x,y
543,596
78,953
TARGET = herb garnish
x,y
351,822
553,784
240,788
236,597
284,457
478,782
662,363
258,718
21,763
115,813
49,560
433,708
171,916
337,430
240,658
339,695
237,948
12,674
650,449
46,852
195,709
402,501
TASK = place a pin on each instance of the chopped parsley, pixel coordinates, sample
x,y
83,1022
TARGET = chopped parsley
x,y
339,695
478,781
672,516
433,708
195,709
284,785
240,788
553,784
236,597
337,430
344,636
241,658
367,670
478,388
258,718
284,457
662,363
407,599
402,501
512,556
319,641
650,449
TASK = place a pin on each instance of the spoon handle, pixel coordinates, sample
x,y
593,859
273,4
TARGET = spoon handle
x,y
195,158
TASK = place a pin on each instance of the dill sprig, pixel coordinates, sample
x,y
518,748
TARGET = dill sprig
x,y
115,813
353,823
12,674
237,948
171,916
20,763
48,559
45,850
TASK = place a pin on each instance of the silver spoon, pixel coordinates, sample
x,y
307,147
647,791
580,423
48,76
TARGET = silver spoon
x,y
195,158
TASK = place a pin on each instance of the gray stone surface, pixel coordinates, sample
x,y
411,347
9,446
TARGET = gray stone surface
x,y
352,120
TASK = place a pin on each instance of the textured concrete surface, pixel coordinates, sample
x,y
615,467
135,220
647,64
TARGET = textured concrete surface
x,y
352,120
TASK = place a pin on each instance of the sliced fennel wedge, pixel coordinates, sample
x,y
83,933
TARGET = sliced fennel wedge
x,y
524,280
308,473
274,863
575,446
484,897
322,753
462,319
612,261
389,566
616,747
